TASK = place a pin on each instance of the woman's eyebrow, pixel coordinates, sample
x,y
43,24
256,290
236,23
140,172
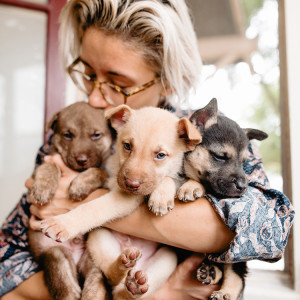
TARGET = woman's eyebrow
x,y
85,63
111,73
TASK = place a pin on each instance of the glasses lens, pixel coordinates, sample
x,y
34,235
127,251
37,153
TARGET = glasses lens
x,y
83,77
111,94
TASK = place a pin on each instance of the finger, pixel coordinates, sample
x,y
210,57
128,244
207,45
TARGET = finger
x,y
57,159
29,183
191,263
34,210
34,223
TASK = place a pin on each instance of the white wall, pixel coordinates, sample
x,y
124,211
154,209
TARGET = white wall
x,y
22,97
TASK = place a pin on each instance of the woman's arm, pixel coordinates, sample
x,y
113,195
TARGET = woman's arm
x,y
193,226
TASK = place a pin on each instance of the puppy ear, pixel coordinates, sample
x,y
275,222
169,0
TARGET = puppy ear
x,y
118,116
52,124
255,134
189,133
206,116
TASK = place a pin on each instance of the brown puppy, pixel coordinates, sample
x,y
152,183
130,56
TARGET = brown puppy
x,y
82,138
149,151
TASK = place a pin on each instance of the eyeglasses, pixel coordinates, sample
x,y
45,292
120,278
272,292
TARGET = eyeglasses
x,y
112,93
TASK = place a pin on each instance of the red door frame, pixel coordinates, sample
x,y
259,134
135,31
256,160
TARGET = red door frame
x,y
55,76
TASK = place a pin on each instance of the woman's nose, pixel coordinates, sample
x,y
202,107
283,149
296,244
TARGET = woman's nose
x,y
96,99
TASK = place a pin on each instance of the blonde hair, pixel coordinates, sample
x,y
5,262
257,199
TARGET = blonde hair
x,y
159,29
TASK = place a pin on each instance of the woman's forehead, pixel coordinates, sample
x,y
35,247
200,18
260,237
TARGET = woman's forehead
x,y
105,52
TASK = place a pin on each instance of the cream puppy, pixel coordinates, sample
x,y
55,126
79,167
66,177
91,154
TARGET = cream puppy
x,y
150,146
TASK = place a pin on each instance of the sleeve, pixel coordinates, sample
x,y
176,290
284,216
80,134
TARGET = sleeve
x,y
261,218
16,263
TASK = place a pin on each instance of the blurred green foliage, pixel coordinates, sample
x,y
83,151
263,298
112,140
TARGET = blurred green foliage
x,y
267,114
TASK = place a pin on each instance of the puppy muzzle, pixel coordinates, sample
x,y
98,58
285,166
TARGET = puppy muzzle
x,y
233,187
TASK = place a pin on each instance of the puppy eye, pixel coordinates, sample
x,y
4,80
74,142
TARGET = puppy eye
x,y
96,136
68,136
127,146
161,155
219,157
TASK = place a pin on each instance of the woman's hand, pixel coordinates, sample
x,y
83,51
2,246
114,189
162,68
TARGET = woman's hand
x,y
61,203
183,285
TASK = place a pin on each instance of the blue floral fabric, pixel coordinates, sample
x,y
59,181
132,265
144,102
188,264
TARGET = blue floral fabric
x,y
261,219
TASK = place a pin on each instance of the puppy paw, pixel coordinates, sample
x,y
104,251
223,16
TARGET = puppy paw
x,y
136,282
190,191
209,274
42,192
219,295
57,228
160,206
129,257
78,190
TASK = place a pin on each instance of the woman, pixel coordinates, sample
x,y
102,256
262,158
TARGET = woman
x,y
144,53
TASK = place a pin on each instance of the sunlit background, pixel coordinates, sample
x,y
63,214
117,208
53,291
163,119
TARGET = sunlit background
x,y
249,92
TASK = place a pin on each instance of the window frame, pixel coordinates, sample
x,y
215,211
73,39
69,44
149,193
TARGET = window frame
x,y
55,75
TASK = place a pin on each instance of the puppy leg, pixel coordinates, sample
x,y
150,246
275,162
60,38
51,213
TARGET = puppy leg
x,y
143,283
114,204
190,191
105,252
232,286
86,182
60,274
46,178
159,268
94,286
162,198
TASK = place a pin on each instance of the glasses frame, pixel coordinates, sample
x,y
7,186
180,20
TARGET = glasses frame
x,y
98,84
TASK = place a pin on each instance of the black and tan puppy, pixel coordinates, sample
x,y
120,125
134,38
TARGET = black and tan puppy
x,y
216,167
83,139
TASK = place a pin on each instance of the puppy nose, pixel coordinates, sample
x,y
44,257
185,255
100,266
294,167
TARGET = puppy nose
x,y
132,184
240,183
82,159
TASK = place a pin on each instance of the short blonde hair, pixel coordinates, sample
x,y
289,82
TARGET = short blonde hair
x,y
160,30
